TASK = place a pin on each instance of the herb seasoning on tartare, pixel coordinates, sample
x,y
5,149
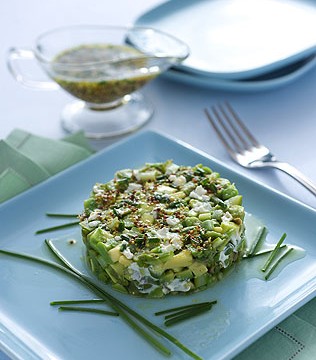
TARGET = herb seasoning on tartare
x,y
163,229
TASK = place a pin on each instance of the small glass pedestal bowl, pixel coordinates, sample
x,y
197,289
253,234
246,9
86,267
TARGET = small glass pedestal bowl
x,y
103,67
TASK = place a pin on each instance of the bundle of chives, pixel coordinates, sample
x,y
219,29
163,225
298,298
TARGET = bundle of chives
x,y
181,313
130,316
269,265
59,227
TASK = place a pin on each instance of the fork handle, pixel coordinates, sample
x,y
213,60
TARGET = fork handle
x,y
295,174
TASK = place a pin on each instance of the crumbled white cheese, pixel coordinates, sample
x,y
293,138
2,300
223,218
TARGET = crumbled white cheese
x,y
93,216
133,186
165,189
136,174
202,207
177,285
222,258
172,221
94,223
177,242
97,190
166,247
199,193
162,233
172,168
138,273
142,277
235,239
227,217
177,180
165,234
128,254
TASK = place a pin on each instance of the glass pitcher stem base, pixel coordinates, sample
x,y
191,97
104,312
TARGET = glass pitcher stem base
x,y
101,124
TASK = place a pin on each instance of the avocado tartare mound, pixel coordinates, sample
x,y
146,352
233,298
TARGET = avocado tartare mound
x,y
163,229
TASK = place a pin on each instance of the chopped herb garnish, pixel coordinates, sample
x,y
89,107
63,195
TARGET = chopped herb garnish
x,y
85,309
72,302
62,215
263,252
181,313
273,253
58,227
277,262
162,312
260,236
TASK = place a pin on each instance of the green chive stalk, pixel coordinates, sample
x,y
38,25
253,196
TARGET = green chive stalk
x,y
58,227
62,215
86,309
269,273
273,253
74,302
257,241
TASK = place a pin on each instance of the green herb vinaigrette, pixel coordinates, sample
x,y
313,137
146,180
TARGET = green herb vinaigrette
x,y
102,73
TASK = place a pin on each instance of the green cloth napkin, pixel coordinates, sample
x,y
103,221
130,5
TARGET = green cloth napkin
x,y
27,159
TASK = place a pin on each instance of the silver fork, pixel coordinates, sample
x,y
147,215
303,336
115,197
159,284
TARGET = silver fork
x,y
244,148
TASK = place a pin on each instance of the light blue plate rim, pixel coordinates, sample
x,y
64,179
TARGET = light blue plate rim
x,y
229,80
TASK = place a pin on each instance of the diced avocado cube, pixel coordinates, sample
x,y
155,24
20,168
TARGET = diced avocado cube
x,y
219,243
118,268
157,269
183,259
237,211
184,274
89,204
198,268
112,274
147,259
120,288
124,261
115,253
190,221
102,250
228,192
228,226
148,218
147,175
205,216
102,261
114,223
201,280
98,235
168,276
213,234
178,195
207,225
103,276
157,293
235,200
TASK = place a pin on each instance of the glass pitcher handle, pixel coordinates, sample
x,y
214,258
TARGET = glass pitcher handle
x,y
14,57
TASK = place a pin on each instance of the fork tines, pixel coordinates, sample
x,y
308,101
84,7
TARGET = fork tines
x,y
230,129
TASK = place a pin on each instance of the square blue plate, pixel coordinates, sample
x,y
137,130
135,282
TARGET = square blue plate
x,y
247,306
